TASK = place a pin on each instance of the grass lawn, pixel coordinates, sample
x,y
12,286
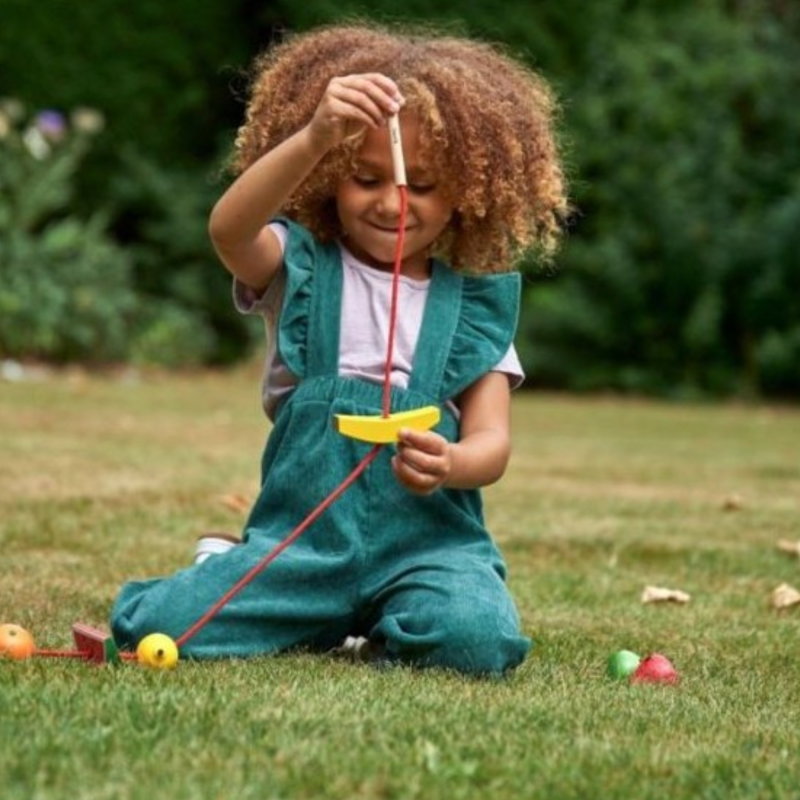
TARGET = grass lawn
x,y
102,481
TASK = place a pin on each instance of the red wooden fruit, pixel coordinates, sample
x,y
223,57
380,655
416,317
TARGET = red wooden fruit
x,y
655,669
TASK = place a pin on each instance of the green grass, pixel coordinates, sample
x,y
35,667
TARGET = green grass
x,y
102,481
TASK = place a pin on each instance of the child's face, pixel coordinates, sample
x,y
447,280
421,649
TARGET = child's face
x,y
368,203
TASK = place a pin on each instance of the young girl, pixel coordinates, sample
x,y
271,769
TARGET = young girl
x,y
402,557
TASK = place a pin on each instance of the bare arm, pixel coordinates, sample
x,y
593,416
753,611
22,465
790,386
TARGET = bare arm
x,y
248,249
426,461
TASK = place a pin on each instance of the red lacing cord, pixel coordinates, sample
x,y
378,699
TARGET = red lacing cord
x,y
249,576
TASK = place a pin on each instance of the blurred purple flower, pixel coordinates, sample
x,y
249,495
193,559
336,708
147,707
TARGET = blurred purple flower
x,y
51,124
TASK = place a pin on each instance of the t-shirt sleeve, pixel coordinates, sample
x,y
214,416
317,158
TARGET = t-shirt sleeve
x,y
511,366
248,301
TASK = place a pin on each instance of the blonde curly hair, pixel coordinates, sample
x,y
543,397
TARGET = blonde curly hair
x,y
487,124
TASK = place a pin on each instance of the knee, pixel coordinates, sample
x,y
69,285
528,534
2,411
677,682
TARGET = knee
x,y
123,623
464,636
139,610
480,641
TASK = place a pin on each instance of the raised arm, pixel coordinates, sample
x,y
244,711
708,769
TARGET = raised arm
x,y
237,225
247,248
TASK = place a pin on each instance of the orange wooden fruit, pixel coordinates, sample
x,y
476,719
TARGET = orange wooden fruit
x,y
16,642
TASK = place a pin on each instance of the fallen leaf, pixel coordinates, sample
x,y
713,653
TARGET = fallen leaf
x,y
733,502
658,594
785,596
791,548
237,502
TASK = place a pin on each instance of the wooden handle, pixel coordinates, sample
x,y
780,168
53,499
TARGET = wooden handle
x,y
398,162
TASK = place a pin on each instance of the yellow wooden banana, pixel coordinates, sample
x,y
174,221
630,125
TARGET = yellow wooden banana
x,y
383,430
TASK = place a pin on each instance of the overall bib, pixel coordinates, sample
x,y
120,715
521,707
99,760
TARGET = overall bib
x,y
418,575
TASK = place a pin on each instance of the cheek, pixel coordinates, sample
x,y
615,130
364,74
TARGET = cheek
x,y
441,215
339,206
344,204
341,196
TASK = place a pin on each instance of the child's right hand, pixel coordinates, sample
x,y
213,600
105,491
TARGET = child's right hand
x,y
352,103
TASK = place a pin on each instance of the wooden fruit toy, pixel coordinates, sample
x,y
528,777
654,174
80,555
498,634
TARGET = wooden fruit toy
x,y
16,642
622,664
157,650
655,669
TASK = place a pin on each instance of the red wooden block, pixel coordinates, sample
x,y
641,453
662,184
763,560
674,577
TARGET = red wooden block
x,y
97,646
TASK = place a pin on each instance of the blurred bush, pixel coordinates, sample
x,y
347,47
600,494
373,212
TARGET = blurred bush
x,y
164,76
160,72
69,290
65,286
682,273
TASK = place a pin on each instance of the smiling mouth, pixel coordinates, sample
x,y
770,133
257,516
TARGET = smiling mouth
x,y
394,231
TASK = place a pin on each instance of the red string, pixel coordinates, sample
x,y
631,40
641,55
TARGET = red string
x,y
80,654
249,576
61,654
279,548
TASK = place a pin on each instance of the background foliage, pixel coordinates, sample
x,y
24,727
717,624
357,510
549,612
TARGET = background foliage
x,y
679,275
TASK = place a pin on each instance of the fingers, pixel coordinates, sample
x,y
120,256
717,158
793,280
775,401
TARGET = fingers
x,y
423,461
413,480
369,98
353,102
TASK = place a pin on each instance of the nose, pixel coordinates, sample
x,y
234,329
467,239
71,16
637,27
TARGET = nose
x,y
388,201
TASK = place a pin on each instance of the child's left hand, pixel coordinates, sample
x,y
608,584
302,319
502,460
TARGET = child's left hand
x,y
423,461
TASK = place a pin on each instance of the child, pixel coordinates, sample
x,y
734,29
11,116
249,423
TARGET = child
x,y
402,557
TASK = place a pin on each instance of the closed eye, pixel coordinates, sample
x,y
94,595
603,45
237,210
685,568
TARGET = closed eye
x,y
366,181
370,182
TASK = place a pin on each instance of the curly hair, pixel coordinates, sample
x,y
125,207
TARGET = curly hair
x,y
487,124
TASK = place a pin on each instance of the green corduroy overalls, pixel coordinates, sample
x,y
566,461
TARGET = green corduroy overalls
x,y
418,575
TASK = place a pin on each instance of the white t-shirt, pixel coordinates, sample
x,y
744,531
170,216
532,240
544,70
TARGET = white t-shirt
x,y
364,327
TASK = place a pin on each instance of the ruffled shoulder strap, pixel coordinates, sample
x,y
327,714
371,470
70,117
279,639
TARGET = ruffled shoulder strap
x,y
469,329
308,331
